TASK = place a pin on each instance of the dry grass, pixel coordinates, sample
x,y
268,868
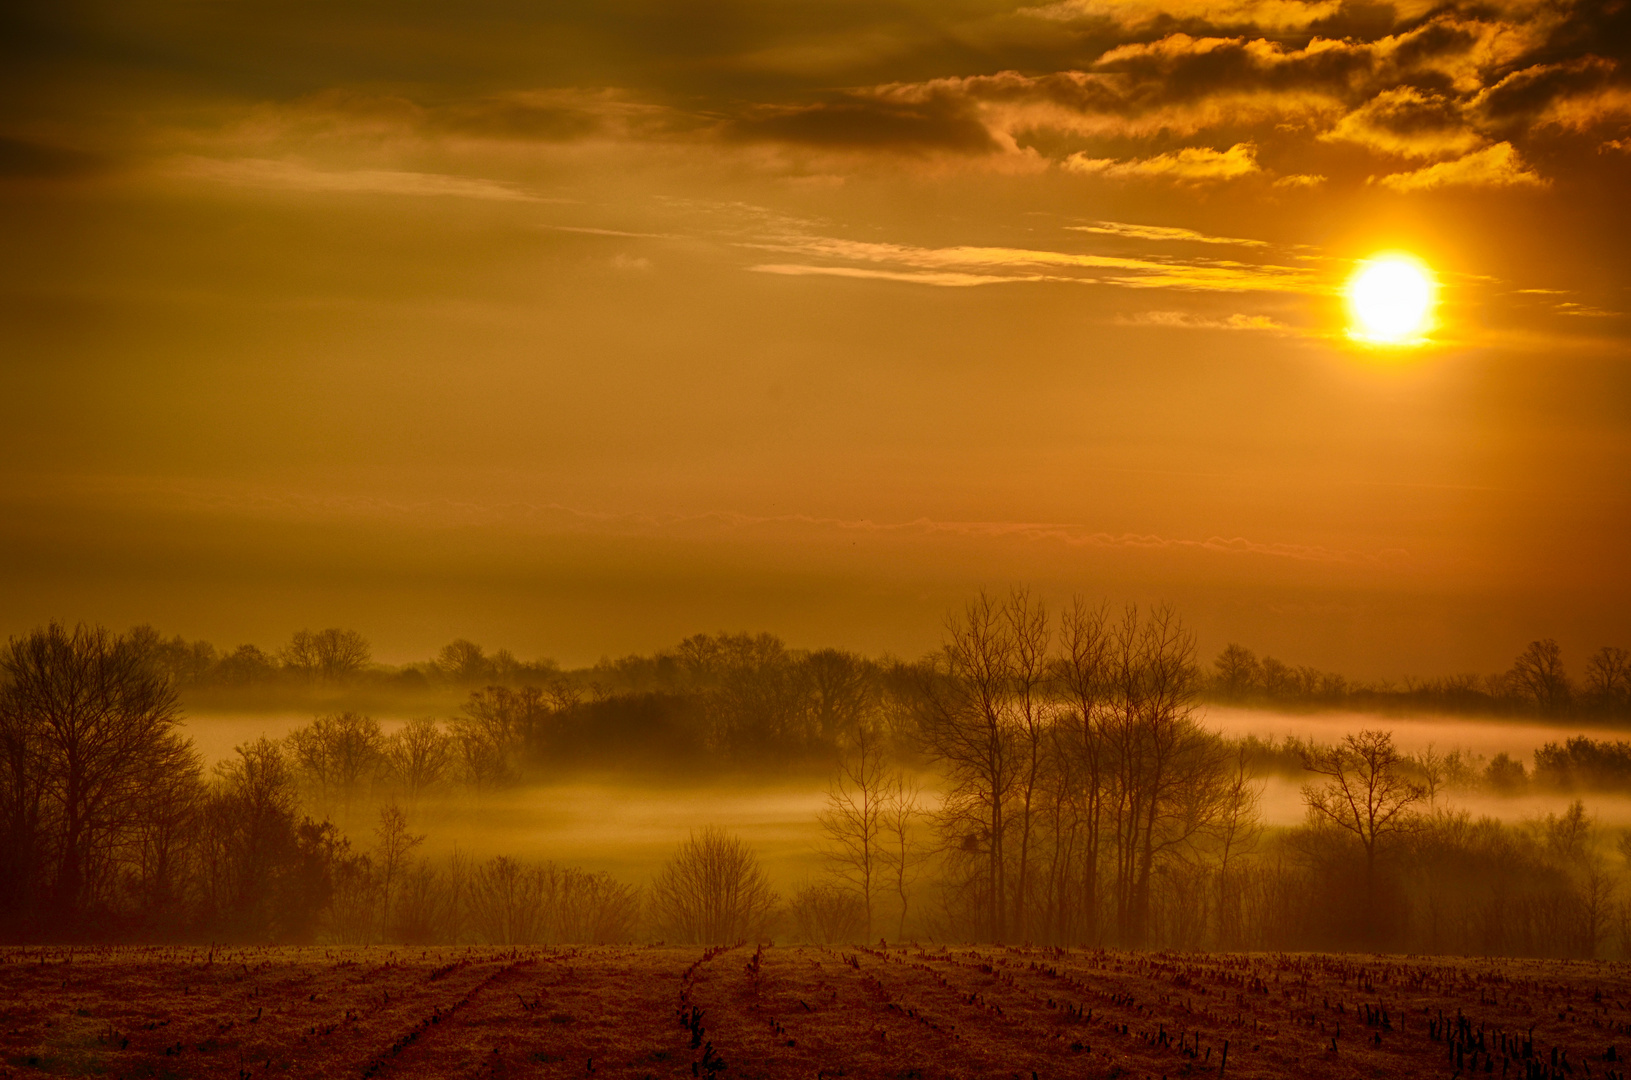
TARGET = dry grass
x,y
897,1012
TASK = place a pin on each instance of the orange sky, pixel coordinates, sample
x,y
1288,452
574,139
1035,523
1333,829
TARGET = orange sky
x,y
580,327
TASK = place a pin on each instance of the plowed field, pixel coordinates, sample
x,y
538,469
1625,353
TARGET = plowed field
x,y
896,1011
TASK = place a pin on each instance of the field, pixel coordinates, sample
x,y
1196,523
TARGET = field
x,y
896,1011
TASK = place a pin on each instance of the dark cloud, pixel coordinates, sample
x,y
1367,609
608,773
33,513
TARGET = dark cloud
x,y
1525,94
939,122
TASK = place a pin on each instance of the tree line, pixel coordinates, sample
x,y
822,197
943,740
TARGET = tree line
x,y
1537,684
754,670
1042,777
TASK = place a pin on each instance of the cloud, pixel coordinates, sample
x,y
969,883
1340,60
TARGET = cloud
x,y
1189,165
1275,15
948,279
293,176
1161,232
1182,320
1493,167
1570,307
1572,94
971,265
879,120
1300,180
1408,123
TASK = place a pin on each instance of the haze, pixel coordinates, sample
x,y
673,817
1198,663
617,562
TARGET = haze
x,y
582,328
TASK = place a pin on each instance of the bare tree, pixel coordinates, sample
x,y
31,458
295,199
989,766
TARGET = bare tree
x,y
713,891
497,728
420,756
1084,679
464,661
902,854
330,655
1164,783
844,692
337,754
1608,678
1538,676
1238,829
505,902
581,907
966,729
853,821
393,848
1029,629
88,722
1432,766
1363,792
1238,671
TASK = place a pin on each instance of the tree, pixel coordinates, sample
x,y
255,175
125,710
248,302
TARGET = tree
x,y
419,756
1166,774
1238,671
266,874
393,850
464,661
1608,679
244,666
337,753
713,892
505,902
1537,676
966,728
854,819
1365,793
498,725
1574,840
902,856
844,692
1084,679
1504,775
87,724
1238,829
329,655
1032,635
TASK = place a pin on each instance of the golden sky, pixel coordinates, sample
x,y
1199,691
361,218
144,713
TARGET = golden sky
x,y
578,327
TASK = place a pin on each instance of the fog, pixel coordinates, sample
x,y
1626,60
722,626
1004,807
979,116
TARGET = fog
x,y
627,824
1479,735
1063,776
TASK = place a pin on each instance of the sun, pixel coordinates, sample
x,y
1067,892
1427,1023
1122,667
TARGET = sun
x,y
1391,300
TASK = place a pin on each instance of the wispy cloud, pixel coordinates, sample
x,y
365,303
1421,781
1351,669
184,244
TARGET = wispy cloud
x,y
1162,233
1183,320
294,176
971,265
1196,164
916,277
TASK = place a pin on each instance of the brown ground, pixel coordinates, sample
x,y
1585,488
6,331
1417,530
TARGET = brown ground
x,y
898,1012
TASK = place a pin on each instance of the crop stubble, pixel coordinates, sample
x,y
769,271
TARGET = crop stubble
x,y
804,1011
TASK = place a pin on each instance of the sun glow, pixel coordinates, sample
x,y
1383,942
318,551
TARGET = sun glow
x,y
1391,300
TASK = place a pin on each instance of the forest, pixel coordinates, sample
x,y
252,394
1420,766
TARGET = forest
x,y
1046,776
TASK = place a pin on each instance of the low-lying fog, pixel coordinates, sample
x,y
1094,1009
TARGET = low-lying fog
x,y
627,827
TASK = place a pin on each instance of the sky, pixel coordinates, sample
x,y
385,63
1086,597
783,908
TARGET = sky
x,y
577,327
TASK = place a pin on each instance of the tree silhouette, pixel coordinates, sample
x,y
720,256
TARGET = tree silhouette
x,y
713,891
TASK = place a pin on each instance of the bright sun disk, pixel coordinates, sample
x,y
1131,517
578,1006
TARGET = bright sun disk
x,y
1391,299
